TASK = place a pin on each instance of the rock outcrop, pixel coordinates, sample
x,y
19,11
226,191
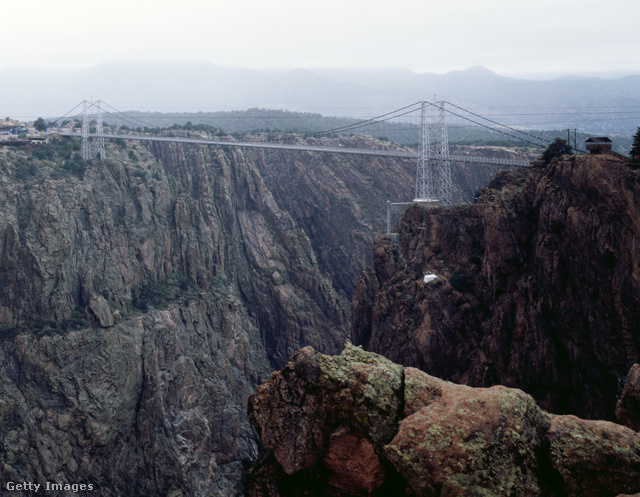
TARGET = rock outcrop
x,y
628,406
359,425
538,286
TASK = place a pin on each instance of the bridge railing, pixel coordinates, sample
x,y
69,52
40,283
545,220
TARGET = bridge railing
x,y
309,148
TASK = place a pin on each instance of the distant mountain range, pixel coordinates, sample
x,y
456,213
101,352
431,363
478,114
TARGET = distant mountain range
x,y
595,105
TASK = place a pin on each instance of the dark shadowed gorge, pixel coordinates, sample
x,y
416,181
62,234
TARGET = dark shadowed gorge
x,y
538,286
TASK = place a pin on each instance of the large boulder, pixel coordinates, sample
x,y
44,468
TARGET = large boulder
x,y
360,425
595,458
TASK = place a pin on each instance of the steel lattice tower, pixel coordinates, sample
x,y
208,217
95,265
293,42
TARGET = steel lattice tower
x,y
99,147
424,175
433,178
89,152
85,148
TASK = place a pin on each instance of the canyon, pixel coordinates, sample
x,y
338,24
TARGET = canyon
x,y
143,299
147,295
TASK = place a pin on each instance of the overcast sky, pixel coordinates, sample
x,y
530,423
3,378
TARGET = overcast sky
x,y
510,37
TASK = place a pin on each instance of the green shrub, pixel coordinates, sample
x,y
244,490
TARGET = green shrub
x,y
76,166
44,152
46,326
7,333
25,169
159,294
221,284
557,148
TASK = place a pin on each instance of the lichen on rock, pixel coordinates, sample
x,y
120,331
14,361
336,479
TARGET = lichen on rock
x,y
424,437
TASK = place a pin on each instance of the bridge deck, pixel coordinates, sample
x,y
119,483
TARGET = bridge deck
x,y
307,148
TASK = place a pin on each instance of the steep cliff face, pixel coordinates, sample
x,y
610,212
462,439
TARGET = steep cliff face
x,y
194,220
143,297
628,405
150,406
340,200
538,286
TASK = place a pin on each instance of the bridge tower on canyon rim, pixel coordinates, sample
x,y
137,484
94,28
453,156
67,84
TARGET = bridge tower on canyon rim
x,y
89,152
433,177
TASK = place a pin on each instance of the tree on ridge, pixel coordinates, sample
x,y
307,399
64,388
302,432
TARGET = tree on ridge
x,y
557,148
635,147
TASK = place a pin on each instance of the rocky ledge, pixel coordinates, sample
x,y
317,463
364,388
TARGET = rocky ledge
x,y
359,425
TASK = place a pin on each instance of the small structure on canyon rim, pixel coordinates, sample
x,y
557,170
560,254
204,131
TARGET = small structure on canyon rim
x,y
598,144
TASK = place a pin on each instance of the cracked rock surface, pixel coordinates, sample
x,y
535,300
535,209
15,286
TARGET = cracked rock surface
x,y
357,424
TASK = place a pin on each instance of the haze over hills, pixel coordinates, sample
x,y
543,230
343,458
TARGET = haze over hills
x,y
146,294
595,105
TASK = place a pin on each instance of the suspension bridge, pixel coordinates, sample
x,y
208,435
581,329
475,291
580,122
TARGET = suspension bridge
x,y
433,173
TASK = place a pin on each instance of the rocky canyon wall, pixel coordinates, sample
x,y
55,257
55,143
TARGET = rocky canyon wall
x,y
538,286
143,298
